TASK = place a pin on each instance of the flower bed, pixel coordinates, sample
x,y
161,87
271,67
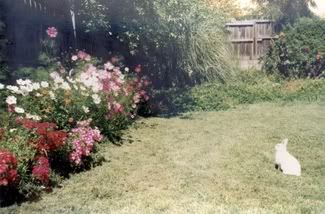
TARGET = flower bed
x,y
51,128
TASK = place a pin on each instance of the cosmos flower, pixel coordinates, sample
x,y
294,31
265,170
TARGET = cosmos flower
x,y
52,32
11,100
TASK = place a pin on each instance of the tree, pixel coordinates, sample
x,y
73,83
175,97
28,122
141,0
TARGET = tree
x,y
284,11
229,7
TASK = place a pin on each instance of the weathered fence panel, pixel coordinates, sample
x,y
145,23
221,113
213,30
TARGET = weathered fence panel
x,y
250,39
27,21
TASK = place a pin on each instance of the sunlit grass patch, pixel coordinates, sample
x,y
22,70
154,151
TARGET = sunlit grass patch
x,y
209,162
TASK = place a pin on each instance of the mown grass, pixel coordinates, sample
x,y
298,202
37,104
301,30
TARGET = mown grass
x,y
204,162
250,87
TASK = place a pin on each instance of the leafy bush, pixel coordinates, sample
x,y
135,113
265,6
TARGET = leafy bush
x,y
250,87
32,154
299,52
178,41
51,128
102,94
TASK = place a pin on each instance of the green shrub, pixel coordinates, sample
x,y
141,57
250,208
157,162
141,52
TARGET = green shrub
x,y
177,41
299,52
52,128
37,74
250,87
16,141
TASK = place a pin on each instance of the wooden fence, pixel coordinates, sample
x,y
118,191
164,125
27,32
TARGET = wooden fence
x,y
250,39
26,22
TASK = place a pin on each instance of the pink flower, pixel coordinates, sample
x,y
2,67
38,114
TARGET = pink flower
x,y
84,123
138,69
83,140
146,82
52,32
136,98
11,108
88,58
118,108
83,55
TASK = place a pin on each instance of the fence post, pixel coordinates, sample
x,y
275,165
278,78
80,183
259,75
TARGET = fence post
x,y
255,40
73,20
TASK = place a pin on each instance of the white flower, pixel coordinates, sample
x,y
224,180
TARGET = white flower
x,y
20,82
109,66
36,86
52,95
24,82
38,95
28,81
56,77
44,84
97,88
65,86
13,89
33,117
96,98
25,89
85,109
12,130
19,110
11,100
85,94
74,58
2,86
126,69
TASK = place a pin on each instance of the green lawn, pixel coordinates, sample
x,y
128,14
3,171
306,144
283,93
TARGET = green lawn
x,y
207,162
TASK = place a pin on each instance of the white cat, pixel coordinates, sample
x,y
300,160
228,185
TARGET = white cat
x,y
283,159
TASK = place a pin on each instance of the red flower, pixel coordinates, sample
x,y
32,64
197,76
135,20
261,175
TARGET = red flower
x,y
56,139
49,139
8,168
41,171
